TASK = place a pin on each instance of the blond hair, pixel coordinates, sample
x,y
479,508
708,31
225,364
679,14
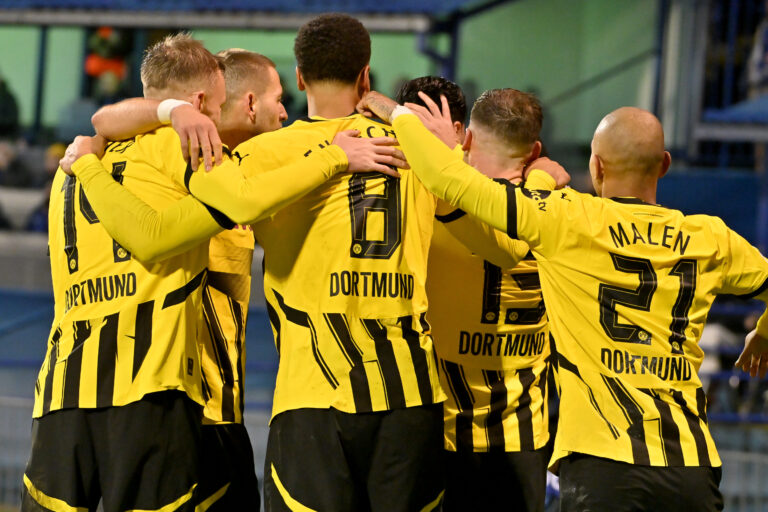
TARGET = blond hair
x,y
512,116
178,61
244,71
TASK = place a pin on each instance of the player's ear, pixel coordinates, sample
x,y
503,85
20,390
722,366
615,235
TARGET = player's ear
x,y
300,85
364,81
665,163
458,127
535,152
197,99
251,100
467,140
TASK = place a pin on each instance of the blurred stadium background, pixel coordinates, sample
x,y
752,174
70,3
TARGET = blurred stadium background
x,y
686,60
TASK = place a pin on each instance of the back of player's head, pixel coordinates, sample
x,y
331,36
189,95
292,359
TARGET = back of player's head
x,y
244,71
178,62
434,86
514,117
630,139
332,47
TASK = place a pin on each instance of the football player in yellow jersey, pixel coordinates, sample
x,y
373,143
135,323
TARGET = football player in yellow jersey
x,y
253,105
628,285
490,325
117,414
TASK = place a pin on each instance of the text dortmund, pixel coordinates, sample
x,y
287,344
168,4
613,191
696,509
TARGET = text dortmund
x,y
100,289
652,234
371,284
489,344
665,368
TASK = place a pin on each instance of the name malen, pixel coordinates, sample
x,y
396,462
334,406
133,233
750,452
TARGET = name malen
x,y
100,289
490,344
371,284
665,368
652,234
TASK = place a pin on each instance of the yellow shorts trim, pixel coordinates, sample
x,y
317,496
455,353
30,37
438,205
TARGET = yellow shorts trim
x,y
171,507
49,502
213,498
292,504
434,504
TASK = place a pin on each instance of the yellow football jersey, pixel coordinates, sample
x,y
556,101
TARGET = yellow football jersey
x,y
225,310
628,286
344,274
121,328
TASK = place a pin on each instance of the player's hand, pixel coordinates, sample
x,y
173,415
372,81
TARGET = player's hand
x,y
554,169
754,357
365,155
198,134
81,146
436,119
375,103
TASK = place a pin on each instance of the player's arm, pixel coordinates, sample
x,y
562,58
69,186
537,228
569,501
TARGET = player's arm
x,y
135,116
746,274
150,235
248,200
491,244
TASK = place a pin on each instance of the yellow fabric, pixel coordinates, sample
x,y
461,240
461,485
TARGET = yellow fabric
x,y
493,367
121,328
346,313
225,311
289,500
49,502
249,200
434,503
627,286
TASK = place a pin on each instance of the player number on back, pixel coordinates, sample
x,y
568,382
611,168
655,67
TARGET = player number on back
x,y
375,212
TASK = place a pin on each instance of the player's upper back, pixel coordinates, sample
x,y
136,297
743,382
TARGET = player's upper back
x,y
357,243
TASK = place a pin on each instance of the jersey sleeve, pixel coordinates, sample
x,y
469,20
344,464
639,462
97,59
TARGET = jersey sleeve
x,y
148,234
444,173
746,271
247,200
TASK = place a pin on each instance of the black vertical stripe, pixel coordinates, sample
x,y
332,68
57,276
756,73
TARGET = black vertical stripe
x,y
179,295
143,335
544,387
523,409
274,319
71,391
107,357
494,421
696,431
70,231
219,342
670,435
701,404
385,353
48,387
425,327
361,389
462,395
491,307
419,358
302,318
511,211
237,313
634,416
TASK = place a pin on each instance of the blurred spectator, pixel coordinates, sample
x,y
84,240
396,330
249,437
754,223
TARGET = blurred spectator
x,y
38,218
9,112
14,170
757,73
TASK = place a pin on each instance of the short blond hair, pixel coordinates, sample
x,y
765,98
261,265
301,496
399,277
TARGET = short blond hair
x,y
176,61
244,70
513,116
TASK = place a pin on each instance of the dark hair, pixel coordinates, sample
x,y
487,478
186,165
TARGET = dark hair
x,y
434,86
511,115
178,59
333,47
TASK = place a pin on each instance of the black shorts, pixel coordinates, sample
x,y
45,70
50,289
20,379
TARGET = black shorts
x,y
143,455
328,460
594,484
227,476
495,481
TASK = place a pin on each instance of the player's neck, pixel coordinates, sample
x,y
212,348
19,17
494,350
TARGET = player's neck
x,y
496,166
232,137
331,100
641,189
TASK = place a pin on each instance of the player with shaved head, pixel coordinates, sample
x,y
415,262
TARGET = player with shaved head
x,y
628,285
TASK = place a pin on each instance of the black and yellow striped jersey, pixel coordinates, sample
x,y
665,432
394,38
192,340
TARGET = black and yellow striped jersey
x,y
225,310
121,328
344,274
628,286
490,330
